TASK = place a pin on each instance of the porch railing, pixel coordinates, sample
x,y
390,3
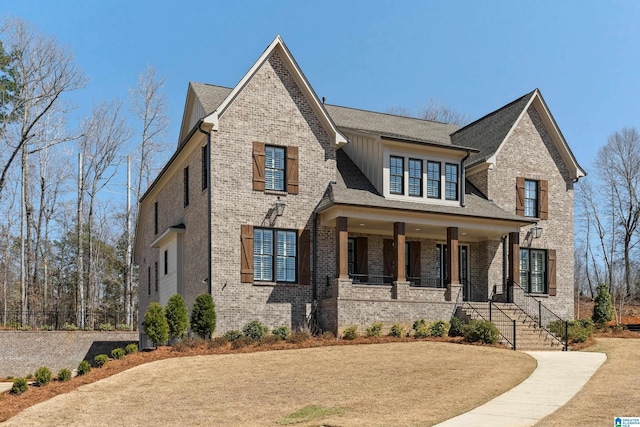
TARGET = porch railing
x,y
381,279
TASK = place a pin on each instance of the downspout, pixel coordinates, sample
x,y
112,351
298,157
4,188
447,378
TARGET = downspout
x,y
314,262
208,150
463,178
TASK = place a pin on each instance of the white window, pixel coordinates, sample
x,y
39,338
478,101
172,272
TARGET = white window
x,y
274,257
274,168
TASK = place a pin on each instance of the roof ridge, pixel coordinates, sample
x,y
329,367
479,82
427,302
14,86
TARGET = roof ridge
x,y
392,115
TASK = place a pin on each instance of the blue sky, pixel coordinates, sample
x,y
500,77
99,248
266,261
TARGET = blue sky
x,y
476,56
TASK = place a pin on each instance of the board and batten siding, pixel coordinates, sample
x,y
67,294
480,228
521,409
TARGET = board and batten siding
x,y
367,154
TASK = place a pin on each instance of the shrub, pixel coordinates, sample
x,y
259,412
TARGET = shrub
x,y
233,335
122,327
64,374
131,348
69,327
419,323
29,376
101,360
255,330
375,330
397,330
203,316
105,327
456,328
603,307
439,328
47,328
351,333
84,367
218,342
117,353
25,328
155,324
19,386
43,376
423,331
282,332
298,337
483,331
578,330
242,342
177,317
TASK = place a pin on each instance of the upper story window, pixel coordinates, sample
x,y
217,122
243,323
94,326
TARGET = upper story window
x,y
530,198
451,181
396,177
415,177
433,180
274,168
204,166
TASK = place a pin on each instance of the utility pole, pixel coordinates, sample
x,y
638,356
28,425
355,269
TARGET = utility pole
x,y
128,292
79,259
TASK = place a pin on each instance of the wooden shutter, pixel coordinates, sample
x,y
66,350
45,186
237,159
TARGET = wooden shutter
x,y
387,256
544,199
520,196
246,255
304,257
414,260
362,255
551,271
258,166
292,170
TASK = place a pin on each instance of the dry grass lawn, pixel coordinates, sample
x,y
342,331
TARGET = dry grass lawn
x,y
412,383
613,391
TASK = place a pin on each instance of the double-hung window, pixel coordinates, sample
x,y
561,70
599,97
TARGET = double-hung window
x,y
433,180
274,168
396,175
533,270
530,198
451,181
274,255
415,177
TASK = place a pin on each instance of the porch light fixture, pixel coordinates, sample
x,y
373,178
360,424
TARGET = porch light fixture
x,y
536,231
279,206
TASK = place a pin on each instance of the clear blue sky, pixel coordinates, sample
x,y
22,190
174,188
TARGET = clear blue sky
x,y
474,55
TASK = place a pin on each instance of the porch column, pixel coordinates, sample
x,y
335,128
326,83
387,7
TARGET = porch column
x,y
514,263
342,248
399,255
453,266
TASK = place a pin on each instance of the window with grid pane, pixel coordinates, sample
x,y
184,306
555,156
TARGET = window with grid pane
x,y
396,175
530,198
286,256
433,180
451,181
533,270
274,255
263,254
274,168
415,177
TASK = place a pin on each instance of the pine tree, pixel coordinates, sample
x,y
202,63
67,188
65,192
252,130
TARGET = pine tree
x,y
177,317
603,307
155,324
203,316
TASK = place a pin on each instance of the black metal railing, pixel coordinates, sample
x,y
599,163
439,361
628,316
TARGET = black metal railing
x,y
57,319
505,324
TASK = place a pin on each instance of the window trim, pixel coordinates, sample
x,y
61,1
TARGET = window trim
x,y
457,181
438,181
545,278
391,175
283,169
536,200
420,179
274,255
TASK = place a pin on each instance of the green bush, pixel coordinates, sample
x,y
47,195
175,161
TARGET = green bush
x,y
397,330
84,368
131,348
298,337
255,330
350,333
603,307
117,353
155,324
233,335
423,331
43,376
177,317
105,327
101,360
29,376
439,328
64,374
418,324
375,330
482,331
578,330
122,327
456,329
203,316
19,386
47,328
242,342
25,328
282,332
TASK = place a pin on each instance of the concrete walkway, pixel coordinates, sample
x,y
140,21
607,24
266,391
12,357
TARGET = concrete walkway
x,y
558,377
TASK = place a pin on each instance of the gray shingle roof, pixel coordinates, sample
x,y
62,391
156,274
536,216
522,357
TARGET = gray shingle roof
x,y
210,96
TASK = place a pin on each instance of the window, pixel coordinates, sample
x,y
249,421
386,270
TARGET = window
x,y
155,218
396,178
441,265
166,262
433,180
274,164
451,182
274,255
204,167
415,177
351,255
185,189
149,280
533,270
156,275
530,198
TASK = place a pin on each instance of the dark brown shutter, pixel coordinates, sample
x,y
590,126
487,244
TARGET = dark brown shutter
x,y
551,271
304,257
258,166
387,256
520,196
544,199
246,256
414,260
292,170
362,256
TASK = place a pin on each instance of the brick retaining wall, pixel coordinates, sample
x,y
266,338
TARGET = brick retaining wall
x,y
22,352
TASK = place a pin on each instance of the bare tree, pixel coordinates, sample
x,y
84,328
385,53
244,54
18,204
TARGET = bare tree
x,y
435,111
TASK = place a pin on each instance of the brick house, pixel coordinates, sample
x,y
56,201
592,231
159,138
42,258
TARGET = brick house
x,y
288,210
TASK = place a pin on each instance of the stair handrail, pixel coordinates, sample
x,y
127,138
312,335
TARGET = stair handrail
x,y
493,305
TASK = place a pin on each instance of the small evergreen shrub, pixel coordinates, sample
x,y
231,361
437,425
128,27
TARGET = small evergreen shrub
x,y
439,328
375,330
242,342
47,328
29,376
298,337
418,324
483,331
19,386
101,360
25,328
69,327
578,330
397,330
122,327
43,376
155,324
84,368
350,333
456,328
177,317
218,342
105,327
117,353
282,332
603,307
423,331
131,348
255,330
203,316
233,335
64,374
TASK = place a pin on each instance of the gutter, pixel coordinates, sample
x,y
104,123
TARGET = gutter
x,y
463,178
314,262
209,284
